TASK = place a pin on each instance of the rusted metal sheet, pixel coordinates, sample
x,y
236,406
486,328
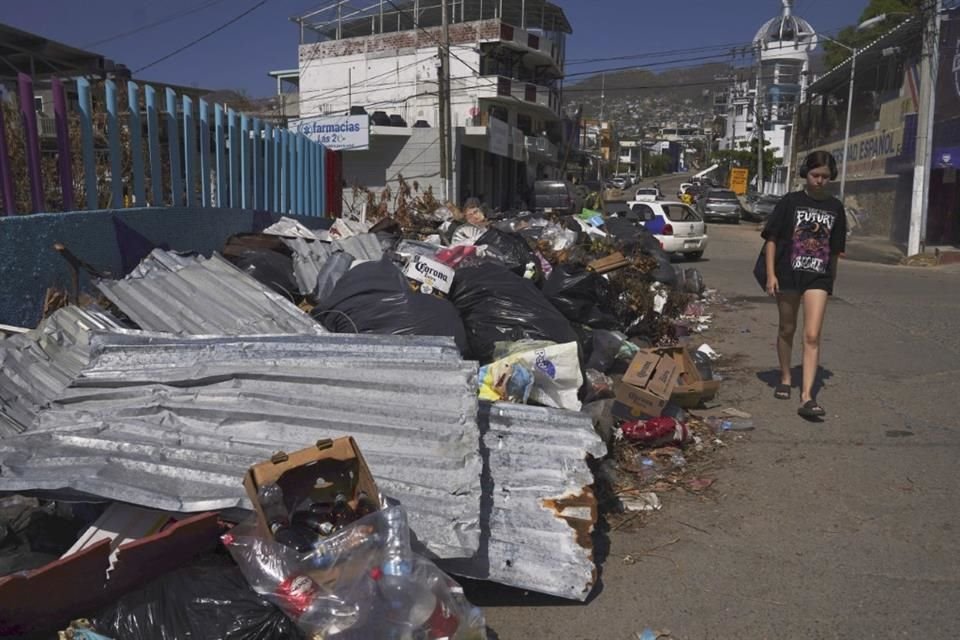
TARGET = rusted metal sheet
x,y
76,586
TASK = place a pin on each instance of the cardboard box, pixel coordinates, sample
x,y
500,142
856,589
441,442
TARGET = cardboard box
x,y
611,262
316,473
690,390
646,386
436,274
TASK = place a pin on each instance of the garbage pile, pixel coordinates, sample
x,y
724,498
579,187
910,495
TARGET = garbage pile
x,y
480,364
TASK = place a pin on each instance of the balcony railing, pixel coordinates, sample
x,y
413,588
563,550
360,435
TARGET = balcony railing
x,y
541,146
519,91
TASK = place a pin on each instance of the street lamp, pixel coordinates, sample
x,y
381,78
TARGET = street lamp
x,y
853,70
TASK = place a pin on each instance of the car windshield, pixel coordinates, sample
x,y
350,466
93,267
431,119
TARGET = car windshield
x,y
722,195
680,213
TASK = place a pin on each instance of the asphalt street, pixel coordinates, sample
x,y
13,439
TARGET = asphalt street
x,y
844,529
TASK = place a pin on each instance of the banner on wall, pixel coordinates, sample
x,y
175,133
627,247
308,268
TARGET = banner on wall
x,y
339,133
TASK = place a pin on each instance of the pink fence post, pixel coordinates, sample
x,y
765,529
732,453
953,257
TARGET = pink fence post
x,y
64,163
29,114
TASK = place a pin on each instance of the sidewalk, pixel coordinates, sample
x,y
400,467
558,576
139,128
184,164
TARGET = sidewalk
x,y
873,249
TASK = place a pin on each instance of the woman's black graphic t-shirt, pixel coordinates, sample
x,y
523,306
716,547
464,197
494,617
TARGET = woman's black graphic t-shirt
x,y
810,235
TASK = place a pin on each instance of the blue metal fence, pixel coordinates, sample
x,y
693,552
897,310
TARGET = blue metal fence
x,y
239,161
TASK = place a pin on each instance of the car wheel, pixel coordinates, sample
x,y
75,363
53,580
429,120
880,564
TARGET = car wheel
x,y
693,256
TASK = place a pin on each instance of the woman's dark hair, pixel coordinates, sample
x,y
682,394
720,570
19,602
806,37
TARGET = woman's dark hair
x,y
817,159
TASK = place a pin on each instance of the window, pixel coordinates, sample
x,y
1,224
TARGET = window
x,y
641,212
680,213
38,104
739,109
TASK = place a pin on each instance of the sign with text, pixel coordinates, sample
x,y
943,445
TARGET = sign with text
x,y
498,137
339,133
738,180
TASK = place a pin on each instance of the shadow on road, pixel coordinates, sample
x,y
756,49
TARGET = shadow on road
x,y
771,377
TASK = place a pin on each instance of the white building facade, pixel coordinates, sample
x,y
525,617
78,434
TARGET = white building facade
x,y
506,64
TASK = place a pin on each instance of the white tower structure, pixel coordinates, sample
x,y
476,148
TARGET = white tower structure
x,y
784,45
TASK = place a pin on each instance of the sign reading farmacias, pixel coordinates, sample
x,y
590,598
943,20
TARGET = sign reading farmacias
x,y
340,133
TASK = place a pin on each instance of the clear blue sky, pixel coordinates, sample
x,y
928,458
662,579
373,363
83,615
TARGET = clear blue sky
x,y
241,54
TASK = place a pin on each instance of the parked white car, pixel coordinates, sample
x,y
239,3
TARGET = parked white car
x,y
648,194
676,225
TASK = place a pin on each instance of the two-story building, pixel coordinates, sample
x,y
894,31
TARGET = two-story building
x,y
381,65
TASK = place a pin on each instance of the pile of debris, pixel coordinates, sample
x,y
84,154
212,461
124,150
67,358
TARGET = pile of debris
x,y
481,366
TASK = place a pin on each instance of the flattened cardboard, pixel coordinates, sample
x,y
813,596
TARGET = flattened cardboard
x,y
317,472
640,401
646,385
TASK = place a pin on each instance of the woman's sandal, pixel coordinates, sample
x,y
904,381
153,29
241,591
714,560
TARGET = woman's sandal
x,y
811,410
782,392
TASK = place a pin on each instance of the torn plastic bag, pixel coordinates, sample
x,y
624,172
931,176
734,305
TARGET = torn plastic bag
x,y
195,602
374,297
694,281
453,256
516,253
597,386
555,367
361,582
581,296
611,352
410,248
497,305
655,432
505,381
270,268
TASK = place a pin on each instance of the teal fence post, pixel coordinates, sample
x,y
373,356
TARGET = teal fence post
x,y
244,161
173,144
284,176
277,139
86,142
222,166
256,165
307,170
189,152
113,140
205,153
301,174
136,144
267,166
153,135
234,159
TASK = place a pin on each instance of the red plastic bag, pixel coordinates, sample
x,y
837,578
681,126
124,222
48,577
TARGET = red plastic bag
x,y
453,256
656,432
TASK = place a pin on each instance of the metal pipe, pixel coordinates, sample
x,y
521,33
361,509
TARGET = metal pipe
x,y
846,135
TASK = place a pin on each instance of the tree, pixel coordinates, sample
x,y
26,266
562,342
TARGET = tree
x,y
852,37
746,156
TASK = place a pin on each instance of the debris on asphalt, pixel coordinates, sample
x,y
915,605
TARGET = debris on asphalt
x,y
508,377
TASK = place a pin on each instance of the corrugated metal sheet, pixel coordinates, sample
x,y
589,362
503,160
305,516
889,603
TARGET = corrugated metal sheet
x,y
365,246
173,423
308,260
36,367
538,510
193,296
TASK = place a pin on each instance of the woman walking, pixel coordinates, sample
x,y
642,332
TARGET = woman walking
x,y
805,235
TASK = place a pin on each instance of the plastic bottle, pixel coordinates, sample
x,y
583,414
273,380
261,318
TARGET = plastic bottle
x,y
720,425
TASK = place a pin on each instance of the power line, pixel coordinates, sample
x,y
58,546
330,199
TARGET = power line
x,y
155,23
203,37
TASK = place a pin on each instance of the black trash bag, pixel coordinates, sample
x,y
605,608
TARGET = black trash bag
x,y
664,273
605,348
34,533
270,268
514,249
497,305
631,236
195,602
374,297
581,296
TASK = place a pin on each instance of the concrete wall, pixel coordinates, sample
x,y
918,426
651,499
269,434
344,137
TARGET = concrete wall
x,y
416,158
105,239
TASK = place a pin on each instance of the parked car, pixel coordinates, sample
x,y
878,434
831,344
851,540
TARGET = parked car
x,y
556,196
720,204
758,207
648,194
676,225
619,182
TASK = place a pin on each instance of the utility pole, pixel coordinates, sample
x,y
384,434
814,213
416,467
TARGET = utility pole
x,y
603,93
929,64
758,124
443,95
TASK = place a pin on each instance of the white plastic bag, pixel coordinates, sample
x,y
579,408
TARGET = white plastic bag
x,y
556,370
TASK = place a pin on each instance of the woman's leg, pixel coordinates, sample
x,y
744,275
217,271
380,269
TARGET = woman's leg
x,y
789,306
814,308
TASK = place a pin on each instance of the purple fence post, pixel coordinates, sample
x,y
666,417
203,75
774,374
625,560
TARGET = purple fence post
x,y
6,173
29,114
64,163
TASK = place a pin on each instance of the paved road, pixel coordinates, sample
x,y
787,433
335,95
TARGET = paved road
x,y
846,529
